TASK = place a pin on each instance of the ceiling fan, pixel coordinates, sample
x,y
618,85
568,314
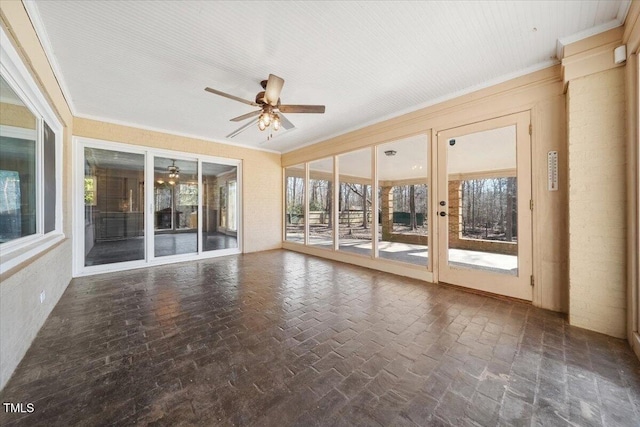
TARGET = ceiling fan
x,y
269,116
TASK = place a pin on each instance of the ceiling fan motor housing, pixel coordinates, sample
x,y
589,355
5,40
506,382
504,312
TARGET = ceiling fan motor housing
x,y
260,100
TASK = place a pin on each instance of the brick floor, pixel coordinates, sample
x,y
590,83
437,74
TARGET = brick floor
x,y
280,338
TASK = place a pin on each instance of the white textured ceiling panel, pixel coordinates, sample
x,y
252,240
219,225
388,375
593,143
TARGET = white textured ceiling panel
x,y
146,63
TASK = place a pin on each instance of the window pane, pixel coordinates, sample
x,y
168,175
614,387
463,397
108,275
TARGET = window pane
x,y
354,202
294,221
17,167
114,206
231,214
176,206
321,203
403,200
49,161
483,205
216,179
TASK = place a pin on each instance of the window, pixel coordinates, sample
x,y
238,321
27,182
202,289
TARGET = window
x,y
294,204
30,164
403,194
354,202
321,203
18,142
372,202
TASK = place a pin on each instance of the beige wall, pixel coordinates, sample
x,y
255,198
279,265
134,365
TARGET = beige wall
x,y
541,93
600,109
597,195
261,175
17,116
21,314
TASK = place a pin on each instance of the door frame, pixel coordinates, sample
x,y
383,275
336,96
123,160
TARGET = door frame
x,y
519,286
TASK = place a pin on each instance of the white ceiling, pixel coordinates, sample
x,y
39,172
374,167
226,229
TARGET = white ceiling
x,y
146,63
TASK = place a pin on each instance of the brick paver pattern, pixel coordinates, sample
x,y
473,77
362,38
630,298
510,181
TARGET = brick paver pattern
x,y
279,338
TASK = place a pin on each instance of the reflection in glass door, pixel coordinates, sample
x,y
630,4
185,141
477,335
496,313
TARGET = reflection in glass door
x,y
484,214
175,206
219,198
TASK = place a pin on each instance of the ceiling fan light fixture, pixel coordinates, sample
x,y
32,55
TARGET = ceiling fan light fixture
x,y
276,122
174,171
261,124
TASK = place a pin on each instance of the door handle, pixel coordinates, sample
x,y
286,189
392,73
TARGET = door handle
x,y
443,213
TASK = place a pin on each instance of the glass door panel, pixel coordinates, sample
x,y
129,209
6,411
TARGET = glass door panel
x,y
231,210
403,195
219,198
483,208
354,202
175,206
321,203
113,206
484,213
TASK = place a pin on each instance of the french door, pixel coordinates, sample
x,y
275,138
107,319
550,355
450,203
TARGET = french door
x,y
484,206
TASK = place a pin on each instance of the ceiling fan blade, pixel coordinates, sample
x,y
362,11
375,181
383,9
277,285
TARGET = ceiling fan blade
x,y
273,89
302,109
246,116
226,95
286,124
242,128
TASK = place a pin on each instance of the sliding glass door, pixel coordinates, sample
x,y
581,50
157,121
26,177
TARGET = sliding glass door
x,y
219,206
113,206
192,209
175,206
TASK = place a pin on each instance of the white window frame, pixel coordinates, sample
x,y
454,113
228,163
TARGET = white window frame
x,y
16,74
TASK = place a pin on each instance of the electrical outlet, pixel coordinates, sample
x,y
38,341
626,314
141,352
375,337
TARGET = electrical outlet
x,y
42,296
